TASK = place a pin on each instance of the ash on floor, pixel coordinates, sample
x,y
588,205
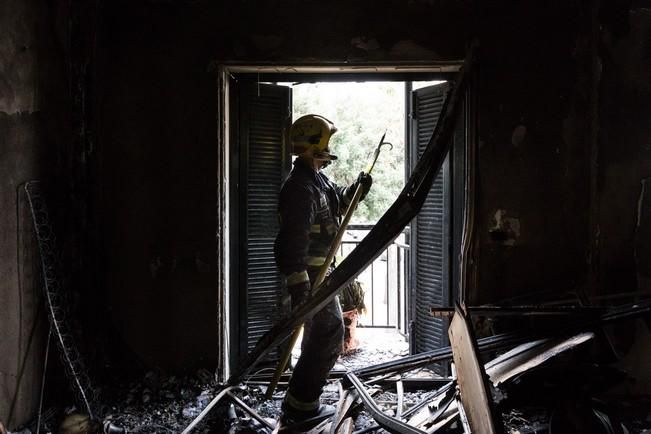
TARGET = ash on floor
x,y
375,345
160,404
157,403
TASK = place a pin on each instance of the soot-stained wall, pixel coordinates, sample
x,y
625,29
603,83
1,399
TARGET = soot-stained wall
x,y
156,115
34,128
156,158
114,106
534,165
625,156
157,183
564,151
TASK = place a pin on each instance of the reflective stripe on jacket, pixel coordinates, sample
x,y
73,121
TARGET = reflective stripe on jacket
x,y
310,207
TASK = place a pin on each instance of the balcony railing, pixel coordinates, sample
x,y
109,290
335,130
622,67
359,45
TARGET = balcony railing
x,y
385,281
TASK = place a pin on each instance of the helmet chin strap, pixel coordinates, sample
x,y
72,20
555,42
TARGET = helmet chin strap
x,y
323,156
324,161
318,160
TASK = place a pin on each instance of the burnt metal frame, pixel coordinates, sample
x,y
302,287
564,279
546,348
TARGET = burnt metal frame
x,y
81,385
250,411
401,279
389,423
448,390
207,409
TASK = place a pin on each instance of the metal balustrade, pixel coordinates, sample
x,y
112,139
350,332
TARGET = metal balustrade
x,y
385,281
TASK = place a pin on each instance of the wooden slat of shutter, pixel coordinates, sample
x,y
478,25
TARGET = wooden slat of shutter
x,y
266,109
430,232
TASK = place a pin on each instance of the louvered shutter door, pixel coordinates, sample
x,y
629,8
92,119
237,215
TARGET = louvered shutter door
x,y
265,110
429,230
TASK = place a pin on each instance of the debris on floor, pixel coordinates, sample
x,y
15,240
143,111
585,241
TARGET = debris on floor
x,y
556,381
549,381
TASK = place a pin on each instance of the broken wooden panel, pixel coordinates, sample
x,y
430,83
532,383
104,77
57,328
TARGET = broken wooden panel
x,y
530,355
346,400
534,310
470,376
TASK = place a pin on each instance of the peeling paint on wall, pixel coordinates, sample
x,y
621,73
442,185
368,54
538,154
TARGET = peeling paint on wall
x,y
518,135
18,91
505,230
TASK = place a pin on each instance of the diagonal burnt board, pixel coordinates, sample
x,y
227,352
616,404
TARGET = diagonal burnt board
x,y
390,225
527,356
471,378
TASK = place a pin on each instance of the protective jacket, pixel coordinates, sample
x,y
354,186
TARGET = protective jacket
x,y
310,207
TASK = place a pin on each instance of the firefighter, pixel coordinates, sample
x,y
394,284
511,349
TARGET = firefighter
x,y
310,208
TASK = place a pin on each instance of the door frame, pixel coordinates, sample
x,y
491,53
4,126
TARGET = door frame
x,y
227,74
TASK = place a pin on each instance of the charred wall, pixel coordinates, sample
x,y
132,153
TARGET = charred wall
x,y
34,132
625,155
114,106
564,153
541,191
157,183
533,186
156,157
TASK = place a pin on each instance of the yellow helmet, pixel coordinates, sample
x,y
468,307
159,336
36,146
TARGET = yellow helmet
x,y
311,134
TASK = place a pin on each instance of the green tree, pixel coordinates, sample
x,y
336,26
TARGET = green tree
x,y
362,112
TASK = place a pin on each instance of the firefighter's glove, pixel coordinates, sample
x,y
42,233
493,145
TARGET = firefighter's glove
x,y
365,180
299,292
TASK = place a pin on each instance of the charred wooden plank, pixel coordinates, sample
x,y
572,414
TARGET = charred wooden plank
x,y
522,311
473,388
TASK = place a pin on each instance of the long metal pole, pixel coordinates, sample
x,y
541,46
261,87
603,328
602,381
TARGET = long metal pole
x,y
282,364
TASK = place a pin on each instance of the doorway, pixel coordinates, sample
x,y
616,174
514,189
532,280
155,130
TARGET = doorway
x,y
412,275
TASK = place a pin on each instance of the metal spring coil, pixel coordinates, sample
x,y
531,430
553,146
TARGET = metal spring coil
x,y
73,362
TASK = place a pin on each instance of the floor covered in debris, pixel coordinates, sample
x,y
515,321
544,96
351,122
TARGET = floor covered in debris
x,y
168,404
555,385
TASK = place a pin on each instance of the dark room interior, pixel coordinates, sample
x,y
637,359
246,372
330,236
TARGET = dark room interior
x,y
143,148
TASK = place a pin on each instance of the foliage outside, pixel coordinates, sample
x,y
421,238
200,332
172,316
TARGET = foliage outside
x,y
362,112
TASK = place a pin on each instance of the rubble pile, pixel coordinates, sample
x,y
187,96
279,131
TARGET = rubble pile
x,y
553,384
159,403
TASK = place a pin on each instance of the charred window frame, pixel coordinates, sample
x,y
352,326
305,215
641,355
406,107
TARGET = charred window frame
x,y
228,77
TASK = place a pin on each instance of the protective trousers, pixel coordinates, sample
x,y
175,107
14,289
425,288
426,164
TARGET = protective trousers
x,y
323,338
